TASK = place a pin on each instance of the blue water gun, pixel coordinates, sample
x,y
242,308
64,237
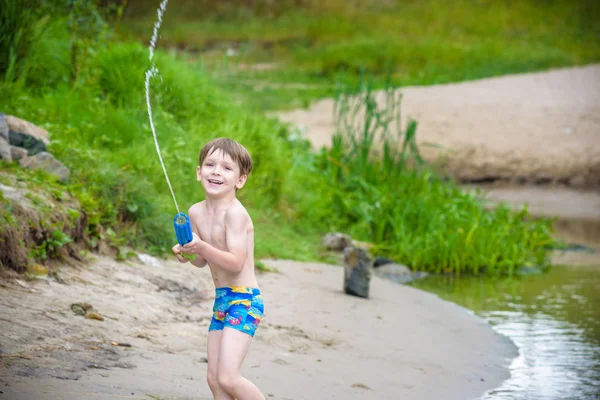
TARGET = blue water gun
x,y
183,231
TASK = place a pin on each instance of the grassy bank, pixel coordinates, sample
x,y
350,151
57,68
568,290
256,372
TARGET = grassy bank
x,y
101,131
274,47
96,113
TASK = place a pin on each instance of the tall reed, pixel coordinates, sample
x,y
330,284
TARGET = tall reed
x,y
20,29
383,192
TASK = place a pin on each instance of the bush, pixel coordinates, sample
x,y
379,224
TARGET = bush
x,y
374,185
101,132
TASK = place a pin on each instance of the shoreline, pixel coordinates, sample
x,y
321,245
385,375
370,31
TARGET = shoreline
x,y
315,340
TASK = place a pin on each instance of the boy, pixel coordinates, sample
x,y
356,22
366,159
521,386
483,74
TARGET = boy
x,y
223,238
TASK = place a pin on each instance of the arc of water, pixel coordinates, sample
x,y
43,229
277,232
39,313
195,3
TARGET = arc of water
x,y
151,73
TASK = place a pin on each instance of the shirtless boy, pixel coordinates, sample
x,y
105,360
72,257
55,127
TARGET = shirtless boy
x,y
223,238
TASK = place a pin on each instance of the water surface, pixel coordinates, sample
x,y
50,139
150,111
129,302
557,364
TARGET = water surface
x,y
552,317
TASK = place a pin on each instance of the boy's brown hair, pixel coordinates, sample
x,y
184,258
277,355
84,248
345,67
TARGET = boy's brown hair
x,y
233,149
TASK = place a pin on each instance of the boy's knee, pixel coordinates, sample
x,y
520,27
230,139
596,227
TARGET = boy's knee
x,y
227,381
211,378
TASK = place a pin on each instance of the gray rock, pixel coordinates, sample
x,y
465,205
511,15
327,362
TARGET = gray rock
x,y
17,195
48,163
30,143
379,261
149,260
419,275
19,125
3,127
399,273
394,272
358,270
18,153
336,241
5,150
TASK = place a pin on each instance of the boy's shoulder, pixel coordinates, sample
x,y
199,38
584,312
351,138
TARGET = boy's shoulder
x,y
236,212
237,209
196,208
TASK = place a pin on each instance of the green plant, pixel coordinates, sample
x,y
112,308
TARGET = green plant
x,y
260,266
20,29
379,190
6,217
50,246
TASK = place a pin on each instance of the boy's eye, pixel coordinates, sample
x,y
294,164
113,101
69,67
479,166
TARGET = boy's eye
x,y
228,168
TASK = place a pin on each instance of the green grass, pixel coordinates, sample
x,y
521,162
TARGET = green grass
x,y
386,195
99,128
420,42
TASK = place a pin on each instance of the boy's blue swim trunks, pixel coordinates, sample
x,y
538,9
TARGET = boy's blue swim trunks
x,y
237,307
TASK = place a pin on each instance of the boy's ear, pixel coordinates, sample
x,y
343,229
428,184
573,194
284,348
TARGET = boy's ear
x,y
241,181
198,173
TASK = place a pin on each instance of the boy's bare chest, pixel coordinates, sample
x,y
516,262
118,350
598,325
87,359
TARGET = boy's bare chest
x,y
212,230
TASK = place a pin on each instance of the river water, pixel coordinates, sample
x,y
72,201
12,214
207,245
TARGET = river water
x,y
553,317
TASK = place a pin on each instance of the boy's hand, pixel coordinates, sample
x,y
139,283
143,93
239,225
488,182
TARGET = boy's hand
x,y
178,253
192,247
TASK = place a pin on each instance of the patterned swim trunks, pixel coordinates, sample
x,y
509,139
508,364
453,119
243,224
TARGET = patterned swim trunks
x,y
237,307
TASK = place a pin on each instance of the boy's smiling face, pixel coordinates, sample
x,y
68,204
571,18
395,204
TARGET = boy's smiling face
x,y
219,174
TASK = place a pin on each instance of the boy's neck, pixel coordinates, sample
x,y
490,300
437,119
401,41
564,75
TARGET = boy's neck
x,y
215,204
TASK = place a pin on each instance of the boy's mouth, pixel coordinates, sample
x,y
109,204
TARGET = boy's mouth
x,y
215,182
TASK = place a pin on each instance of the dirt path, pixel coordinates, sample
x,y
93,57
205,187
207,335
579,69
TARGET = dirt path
x,y
537,128
315,342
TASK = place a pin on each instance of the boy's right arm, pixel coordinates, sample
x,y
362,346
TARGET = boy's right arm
x,y
198,261
194,214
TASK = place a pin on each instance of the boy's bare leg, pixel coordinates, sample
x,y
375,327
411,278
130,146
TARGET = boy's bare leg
x,y
234,347
214,344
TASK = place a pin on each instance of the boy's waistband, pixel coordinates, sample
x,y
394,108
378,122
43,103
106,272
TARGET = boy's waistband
x,y
238,289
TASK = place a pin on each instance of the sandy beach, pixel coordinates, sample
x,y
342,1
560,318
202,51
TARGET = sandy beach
x,y
539,127
314,343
